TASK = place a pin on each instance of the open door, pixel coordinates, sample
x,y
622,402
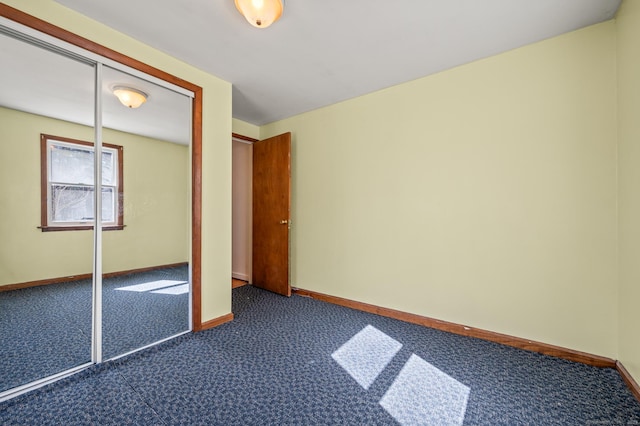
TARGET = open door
x,y
271,209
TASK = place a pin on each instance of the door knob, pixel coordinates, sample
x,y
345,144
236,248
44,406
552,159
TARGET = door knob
x,y
284,222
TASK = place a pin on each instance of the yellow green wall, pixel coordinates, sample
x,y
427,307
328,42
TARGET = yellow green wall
x,y
628,23
156,205
216,145
245,129
484,195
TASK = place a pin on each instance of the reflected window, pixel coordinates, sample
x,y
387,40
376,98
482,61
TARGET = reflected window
x,y
67,184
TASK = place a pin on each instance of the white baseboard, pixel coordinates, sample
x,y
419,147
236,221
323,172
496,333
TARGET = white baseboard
x,y
239,276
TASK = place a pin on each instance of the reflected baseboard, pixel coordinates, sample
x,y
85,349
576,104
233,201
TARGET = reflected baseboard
x,y
81,277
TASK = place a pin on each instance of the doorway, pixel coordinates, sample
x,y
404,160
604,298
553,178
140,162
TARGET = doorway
x,y
242,187
261,214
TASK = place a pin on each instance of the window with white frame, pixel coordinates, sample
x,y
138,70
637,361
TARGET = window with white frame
x,y
68,184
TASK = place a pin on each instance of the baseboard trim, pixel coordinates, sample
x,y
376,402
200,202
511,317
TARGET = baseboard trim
x,y
239,276
517,342
629,380
215,322
72,278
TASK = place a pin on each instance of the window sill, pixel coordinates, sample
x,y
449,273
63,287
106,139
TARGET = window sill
x,y
79,228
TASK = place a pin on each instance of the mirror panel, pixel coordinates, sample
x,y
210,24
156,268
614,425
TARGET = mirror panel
x,y
146,272
46,295
46,171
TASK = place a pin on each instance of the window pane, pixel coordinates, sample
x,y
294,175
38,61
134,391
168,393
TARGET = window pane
x,y
108,203
71,165
108,168
75,165
71,203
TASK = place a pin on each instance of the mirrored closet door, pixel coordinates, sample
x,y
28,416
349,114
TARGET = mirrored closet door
x,y
149,302
96,209
46,211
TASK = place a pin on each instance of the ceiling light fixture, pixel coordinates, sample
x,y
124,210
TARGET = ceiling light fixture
x,y
130,97
260,13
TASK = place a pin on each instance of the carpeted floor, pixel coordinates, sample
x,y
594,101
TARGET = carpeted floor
x,y
298,361
47,329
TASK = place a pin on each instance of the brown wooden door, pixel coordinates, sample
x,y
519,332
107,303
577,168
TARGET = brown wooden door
x,y
271,207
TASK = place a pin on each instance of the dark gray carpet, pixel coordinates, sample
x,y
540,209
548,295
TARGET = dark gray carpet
x,y
273,365
47,329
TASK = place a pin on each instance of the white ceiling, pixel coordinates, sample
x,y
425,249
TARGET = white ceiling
x,y
320,52
42,82
325,51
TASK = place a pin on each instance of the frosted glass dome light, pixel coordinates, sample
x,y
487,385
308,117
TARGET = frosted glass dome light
x,y
129,97
260,13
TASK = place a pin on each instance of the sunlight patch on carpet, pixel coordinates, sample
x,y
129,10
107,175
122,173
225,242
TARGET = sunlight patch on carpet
x,y
152,285
366,355
424,395
179,289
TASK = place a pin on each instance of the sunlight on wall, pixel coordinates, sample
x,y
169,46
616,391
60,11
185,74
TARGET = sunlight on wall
x,y
421,394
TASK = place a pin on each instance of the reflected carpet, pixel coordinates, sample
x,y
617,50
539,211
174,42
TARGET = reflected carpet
x,y
47,329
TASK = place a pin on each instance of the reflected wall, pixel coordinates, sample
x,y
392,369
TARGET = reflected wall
x,y
45,277
151,303
46,286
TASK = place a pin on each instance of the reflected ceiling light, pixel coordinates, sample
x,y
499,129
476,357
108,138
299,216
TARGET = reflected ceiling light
x,y
260,13
130,97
